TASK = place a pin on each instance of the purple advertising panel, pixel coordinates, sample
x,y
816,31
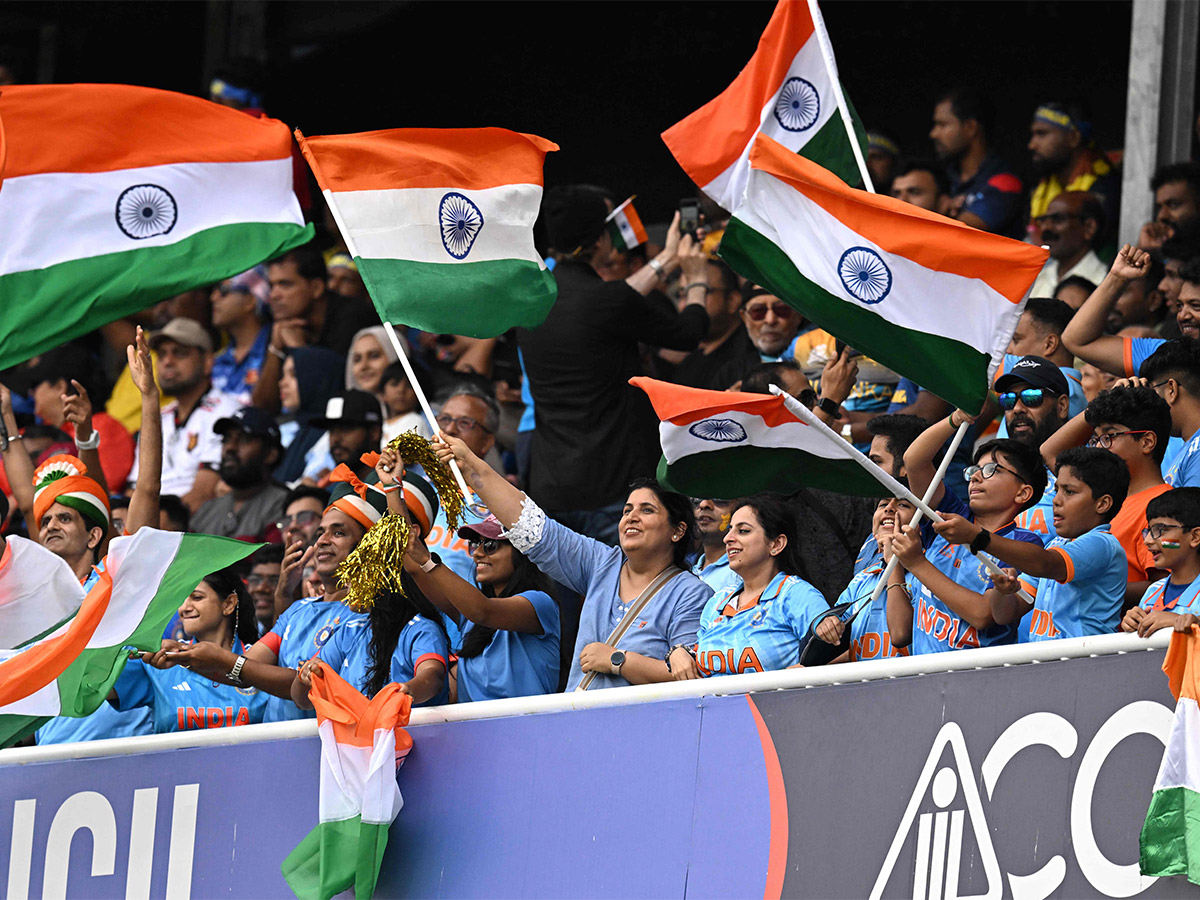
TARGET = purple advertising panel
x,y
1028,782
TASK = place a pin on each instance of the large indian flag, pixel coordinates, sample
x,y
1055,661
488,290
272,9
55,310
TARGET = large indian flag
x,y
115,197
61,650
362,745
1170,840
440,222
785,92
929,297
726,444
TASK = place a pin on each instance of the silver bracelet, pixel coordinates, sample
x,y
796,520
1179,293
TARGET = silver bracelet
x,y
90,444
658,269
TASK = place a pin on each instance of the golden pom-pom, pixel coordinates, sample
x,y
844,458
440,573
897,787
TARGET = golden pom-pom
x,y
418,451
374,566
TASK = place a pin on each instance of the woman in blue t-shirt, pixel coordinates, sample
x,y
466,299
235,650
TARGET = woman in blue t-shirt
x,y
510,622
219,611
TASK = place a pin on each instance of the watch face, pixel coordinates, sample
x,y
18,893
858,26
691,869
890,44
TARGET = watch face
x,y
618,658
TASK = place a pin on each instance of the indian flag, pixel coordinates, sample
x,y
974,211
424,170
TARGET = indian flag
x,y
440,223
725,444
924,295
785,92
1170,841
63,649
362,745
115,197
625,226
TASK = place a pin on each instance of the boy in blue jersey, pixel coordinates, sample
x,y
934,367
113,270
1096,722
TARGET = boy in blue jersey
x,y
1173,370
1172,535
1081,574
940,604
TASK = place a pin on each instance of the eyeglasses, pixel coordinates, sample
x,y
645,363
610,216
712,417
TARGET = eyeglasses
x,y
1105,441
487,545
1155,532
987,470
1030,397
1055,218
460,423
300,519
759,312
253,581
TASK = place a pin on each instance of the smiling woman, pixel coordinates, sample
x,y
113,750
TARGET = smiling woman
x,y
639,603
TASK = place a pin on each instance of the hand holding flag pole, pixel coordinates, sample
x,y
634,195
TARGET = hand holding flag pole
x,y
896,488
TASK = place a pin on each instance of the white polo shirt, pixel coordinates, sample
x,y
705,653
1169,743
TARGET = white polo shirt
x,y
190,444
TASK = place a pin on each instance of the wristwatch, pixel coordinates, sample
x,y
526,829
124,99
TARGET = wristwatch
x,y
429,565
980,541
616,661
828,406
235,674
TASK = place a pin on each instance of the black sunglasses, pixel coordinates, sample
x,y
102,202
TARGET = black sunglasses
x,y
487,545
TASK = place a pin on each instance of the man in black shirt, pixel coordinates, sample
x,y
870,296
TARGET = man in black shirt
x,y
726,339
595,432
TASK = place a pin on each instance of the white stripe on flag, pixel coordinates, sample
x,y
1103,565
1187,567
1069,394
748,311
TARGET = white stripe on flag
x,y
140,561
1180,765
920,299
381,796
679,441
344,770
59,216
37,591
42,702
404,224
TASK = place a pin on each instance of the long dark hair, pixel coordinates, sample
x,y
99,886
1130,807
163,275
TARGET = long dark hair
x,y
525,577
777,518
679,512
389,614
229,581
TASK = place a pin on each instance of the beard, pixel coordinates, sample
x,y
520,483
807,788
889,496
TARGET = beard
x,y
1048,165
240,475
1039,431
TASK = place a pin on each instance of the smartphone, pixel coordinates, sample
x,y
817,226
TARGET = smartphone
x,y
839,345
689,215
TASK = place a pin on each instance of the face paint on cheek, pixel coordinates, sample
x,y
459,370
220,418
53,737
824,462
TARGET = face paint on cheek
x,y
725,521
1169,545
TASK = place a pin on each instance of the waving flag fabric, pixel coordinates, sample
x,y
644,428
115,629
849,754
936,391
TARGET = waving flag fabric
x,y
726,444
440,222
63,654
362,745
785,92
929,297
115,197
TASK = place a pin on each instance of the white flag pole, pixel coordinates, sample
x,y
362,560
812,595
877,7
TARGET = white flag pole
x,y
896,488
843,108
399,348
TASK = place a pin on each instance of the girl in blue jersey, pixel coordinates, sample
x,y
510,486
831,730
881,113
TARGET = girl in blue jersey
x,y
219,611
761,624
869,638
511,622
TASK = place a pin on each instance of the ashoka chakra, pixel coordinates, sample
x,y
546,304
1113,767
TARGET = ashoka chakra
x,y
145,211
461,222
798,106
723,430
864,274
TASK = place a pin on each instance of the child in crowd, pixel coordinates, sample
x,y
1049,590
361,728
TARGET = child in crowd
x,y
401,401
1081,574
945,579
1172,536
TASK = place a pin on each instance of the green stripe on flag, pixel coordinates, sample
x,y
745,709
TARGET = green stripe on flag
x,y
43,308
1170,841
830,147
954,371
741,471
476,299
335,856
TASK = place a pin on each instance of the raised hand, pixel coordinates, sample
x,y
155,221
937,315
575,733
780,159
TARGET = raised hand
x,y
141,369
1131,263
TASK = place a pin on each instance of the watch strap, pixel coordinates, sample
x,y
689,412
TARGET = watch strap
x,y
235,674
429,565
828,406
980,541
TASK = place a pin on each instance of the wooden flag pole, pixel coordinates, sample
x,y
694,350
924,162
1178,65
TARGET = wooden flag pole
x,y
398,347
843,108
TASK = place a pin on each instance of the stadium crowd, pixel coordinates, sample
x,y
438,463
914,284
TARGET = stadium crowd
x,y
261,408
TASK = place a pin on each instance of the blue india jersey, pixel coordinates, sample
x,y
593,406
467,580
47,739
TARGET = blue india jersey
x,y
515,663
1185,467
1039,518
1089,600
1186,601
348,653
767,635
718,575
869,637
298,635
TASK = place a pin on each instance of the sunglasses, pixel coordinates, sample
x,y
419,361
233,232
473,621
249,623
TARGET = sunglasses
x,y
1105,441
487,545
1030,397
300,519
987,470
759,312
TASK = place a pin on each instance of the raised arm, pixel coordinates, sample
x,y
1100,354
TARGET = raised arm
x,y
919,457
17,463
1084,334
898,601
1030,558
651,276
972,607
497,494
144,504
1074,434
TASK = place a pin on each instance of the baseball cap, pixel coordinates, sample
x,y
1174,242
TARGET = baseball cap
x,y
252,421
489,529
1036,371
351,408
187,332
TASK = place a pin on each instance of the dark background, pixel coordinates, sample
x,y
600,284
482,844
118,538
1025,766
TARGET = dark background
x,y
600,79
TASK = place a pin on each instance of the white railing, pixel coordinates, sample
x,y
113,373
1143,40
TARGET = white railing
x,y
787,679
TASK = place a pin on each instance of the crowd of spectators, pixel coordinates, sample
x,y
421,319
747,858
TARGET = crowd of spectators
x,y
261,409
